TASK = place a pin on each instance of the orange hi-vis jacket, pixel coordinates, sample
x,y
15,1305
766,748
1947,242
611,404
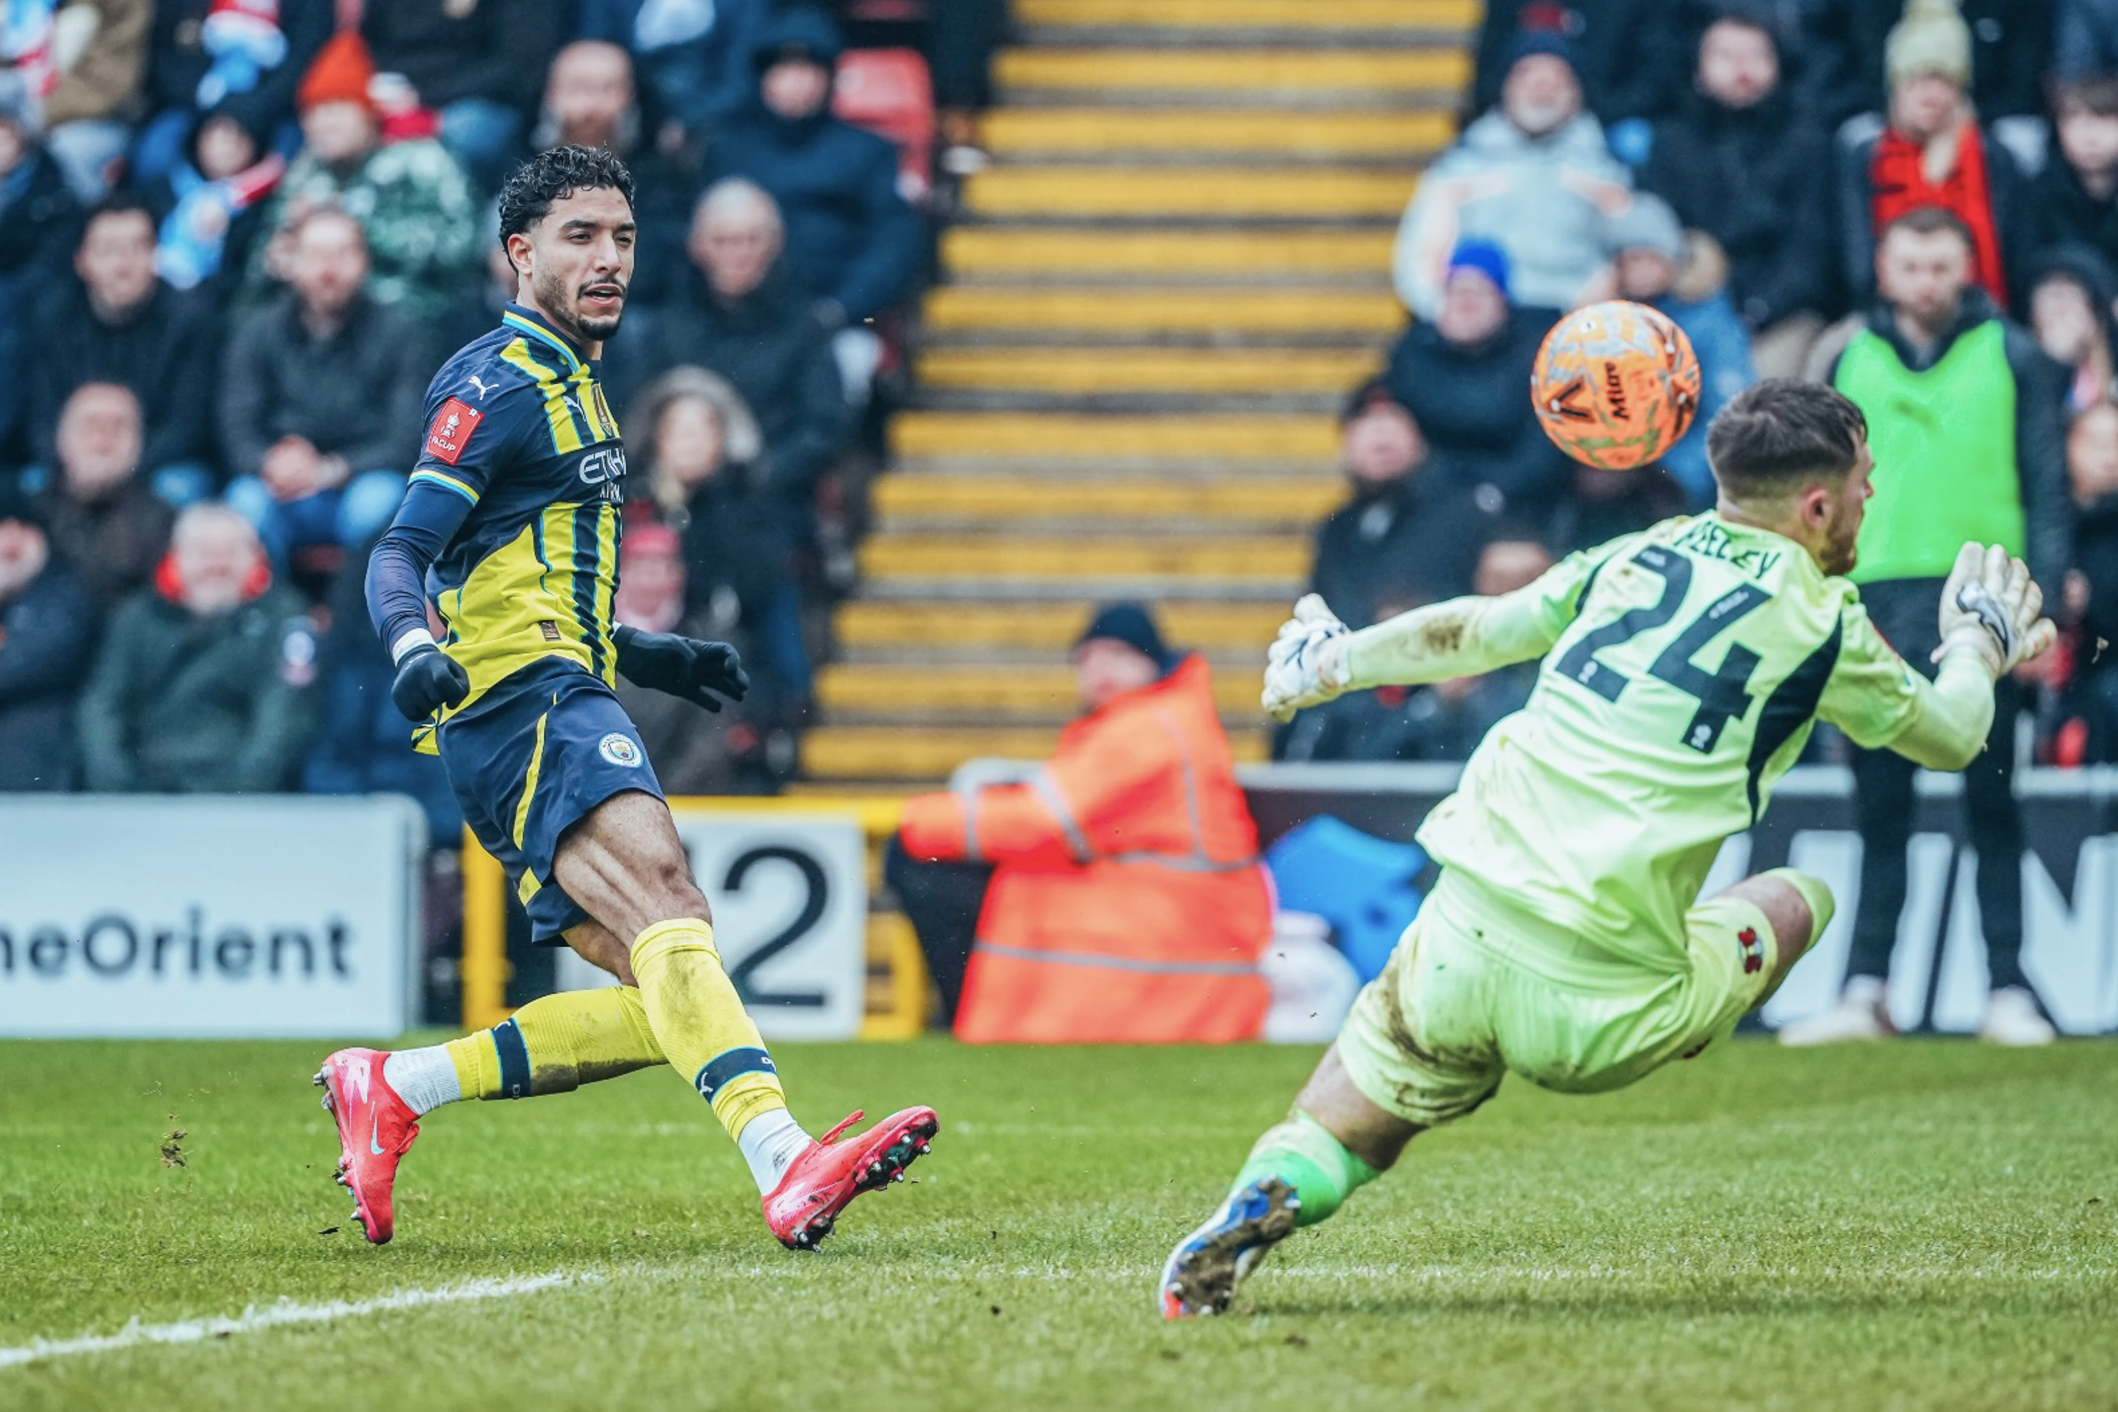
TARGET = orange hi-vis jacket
x,y
1128,904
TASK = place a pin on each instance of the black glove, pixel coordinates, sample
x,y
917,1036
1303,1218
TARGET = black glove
x,y
427,680
681,666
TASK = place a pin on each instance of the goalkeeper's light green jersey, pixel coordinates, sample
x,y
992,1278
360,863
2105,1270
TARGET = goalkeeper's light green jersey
x,y
1686,668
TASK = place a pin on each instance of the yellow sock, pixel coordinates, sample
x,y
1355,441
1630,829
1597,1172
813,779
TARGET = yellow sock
x,y
556,1043
701,1023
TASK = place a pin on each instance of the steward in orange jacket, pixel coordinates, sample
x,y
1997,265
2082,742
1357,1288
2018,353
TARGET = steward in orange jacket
x,y
1126,903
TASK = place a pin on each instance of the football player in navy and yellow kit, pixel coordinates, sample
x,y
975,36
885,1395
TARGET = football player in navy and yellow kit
x,y
1565,940
510,530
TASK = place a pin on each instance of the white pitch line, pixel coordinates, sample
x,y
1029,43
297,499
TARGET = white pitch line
x,y
287,1312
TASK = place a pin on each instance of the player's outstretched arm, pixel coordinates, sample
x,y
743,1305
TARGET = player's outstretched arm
x,y
681,666
1991,623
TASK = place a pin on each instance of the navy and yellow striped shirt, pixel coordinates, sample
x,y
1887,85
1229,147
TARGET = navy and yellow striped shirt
x,y
512,516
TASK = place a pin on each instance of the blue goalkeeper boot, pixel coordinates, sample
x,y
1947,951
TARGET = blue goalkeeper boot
x,y
1204,1271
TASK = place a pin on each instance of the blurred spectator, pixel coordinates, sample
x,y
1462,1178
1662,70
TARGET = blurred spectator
x,y
695,751
693,55
81,61
1686,279
410,197
1534,178
363,745
242,59
39,217
99,510
961,36
320,405
1929,151
1607,504
1447,720
116,322
739,315
2008,46
1463,373
1121,899
2073,203
2071,292
478,307
1628,50
1740,161
1403,537
702,450
852,242
2085,40
201,686
478,65
1964,420
2091,606
589,101
211,203
47,638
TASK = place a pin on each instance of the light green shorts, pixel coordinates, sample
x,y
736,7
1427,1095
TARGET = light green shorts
x,y
1467,997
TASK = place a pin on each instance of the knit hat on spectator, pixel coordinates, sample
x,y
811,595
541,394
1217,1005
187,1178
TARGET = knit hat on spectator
x,y
1932,38
19,106
1484,256
1133,625
19,505
341,74
1649,224
1373,393
1543,41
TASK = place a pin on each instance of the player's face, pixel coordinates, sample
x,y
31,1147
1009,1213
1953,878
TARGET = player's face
x,y
1923,276
580,259
1847,508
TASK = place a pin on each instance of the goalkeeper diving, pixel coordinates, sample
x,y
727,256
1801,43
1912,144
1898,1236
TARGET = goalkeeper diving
x,y
1565,940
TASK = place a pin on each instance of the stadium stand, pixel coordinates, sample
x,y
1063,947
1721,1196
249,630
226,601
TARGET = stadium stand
x,y
1158,291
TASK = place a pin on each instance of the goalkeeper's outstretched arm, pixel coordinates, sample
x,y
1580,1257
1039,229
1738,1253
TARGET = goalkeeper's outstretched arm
x,y
1991,623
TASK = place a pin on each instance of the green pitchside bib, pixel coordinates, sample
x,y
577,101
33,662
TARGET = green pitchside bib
x,y
1944,444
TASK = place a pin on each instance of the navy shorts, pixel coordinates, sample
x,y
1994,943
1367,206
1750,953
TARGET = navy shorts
x,y
530,759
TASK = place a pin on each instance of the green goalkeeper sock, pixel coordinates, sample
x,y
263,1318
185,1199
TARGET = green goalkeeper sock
x,y
1302,1153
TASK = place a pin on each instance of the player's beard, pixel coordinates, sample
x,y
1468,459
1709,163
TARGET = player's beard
x,y
1840,551
556,298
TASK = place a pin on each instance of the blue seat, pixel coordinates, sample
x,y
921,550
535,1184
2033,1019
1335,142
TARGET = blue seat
x,y
1365,887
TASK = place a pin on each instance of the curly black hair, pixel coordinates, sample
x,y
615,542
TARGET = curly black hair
x,y
554,175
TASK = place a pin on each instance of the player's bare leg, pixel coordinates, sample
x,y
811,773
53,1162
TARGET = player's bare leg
x,y
625,866
1333,1141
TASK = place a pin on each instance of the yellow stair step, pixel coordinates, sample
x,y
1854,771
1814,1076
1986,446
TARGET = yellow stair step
x,y
1311,193
1100,131
1239,73
924,556
1117,310
1061,435
930,753
1194,253
1301,499
1146,370
997,691
1252,14
1048,627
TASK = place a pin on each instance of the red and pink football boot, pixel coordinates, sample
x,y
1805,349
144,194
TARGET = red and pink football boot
x,y
375,1129
817,1186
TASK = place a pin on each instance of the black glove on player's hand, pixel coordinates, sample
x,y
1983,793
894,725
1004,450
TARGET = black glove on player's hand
x,y
427,680
681,666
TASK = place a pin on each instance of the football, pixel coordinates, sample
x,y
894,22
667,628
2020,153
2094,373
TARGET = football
x,y
1616,384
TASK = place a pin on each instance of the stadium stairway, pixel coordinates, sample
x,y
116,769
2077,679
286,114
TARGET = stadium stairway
x,y
1171,273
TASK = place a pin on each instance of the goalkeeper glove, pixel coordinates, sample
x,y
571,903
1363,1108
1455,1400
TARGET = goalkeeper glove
x,y
1306,665
681,666
427,680
1991,607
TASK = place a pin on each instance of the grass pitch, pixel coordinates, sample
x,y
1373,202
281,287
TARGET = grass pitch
x,y
1923,1225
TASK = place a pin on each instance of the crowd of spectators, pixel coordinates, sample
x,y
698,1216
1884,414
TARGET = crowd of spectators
x,y
1916,200
237,237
